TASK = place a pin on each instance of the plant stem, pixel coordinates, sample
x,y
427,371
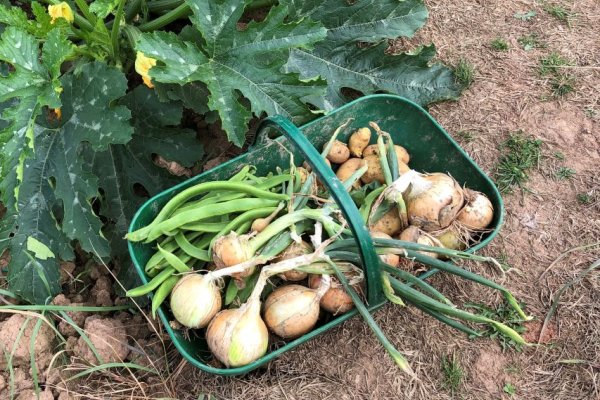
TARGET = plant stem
x,y
285,221
133,10
114,34
180,12
82,5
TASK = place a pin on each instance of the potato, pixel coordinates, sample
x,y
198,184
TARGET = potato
x,y
359,140
308,168
391,259
415,235
348,168
390,223
375,172
339,152
401,153
303,174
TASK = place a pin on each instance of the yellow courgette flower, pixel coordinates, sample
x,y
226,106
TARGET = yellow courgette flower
x,y
61,10
142,67
58,113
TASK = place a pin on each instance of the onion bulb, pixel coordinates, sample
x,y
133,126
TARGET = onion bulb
x,y
293,250
433,201
478,211
336,300
230,250
391,259
238,336
195,300
415,235
291,311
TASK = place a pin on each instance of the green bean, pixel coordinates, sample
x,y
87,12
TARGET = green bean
x,y
190,249
204,227
155,262
193,191
150,286
163,292
174,261
244,228
205,212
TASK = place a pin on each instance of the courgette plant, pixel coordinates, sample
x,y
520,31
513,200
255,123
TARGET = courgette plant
x,y
78,129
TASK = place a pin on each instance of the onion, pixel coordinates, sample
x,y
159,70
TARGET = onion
x,y
291,311
432,201
415,235
391,259
230,250
238,336
336,300
293,250
195,300
478,211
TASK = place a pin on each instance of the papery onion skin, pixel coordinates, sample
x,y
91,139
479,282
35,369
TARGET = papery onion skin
x,y
433,201
335,300
237,337
391,259
230,250
291,311
195,300
478,211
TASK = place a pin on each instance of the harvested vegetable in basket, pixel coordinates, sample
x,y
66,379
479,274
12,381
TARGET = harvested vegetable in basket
x,y
283,232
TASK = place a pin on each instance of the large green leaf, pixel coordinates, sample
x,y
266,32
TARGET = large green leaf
x,y
369,69
362,20
57,187
234,62
122,167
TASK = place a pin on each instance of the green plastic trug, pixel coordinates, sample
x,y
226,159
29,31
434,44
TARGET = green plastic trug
x,y
431,150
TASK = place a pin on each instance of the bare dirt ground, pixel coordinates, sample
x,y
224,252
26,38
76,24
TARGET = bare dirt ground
x,y
543,222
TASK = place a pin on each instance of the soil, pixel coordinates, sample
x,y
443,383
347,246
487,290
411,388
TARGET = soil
x,y
542,222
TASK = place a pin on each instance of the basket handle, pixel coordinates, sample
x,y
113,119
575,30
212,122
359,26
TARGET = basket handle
x,y
341,196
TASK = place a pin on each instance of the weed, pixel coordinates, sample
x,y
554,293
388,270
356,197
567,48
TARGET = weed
x,y
530,42
504,313
464,72
453,373
552,63
525,16
584,198
466,136
509,389
499,44
521,154
562,84
564,173
559,12
591,112
559,155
